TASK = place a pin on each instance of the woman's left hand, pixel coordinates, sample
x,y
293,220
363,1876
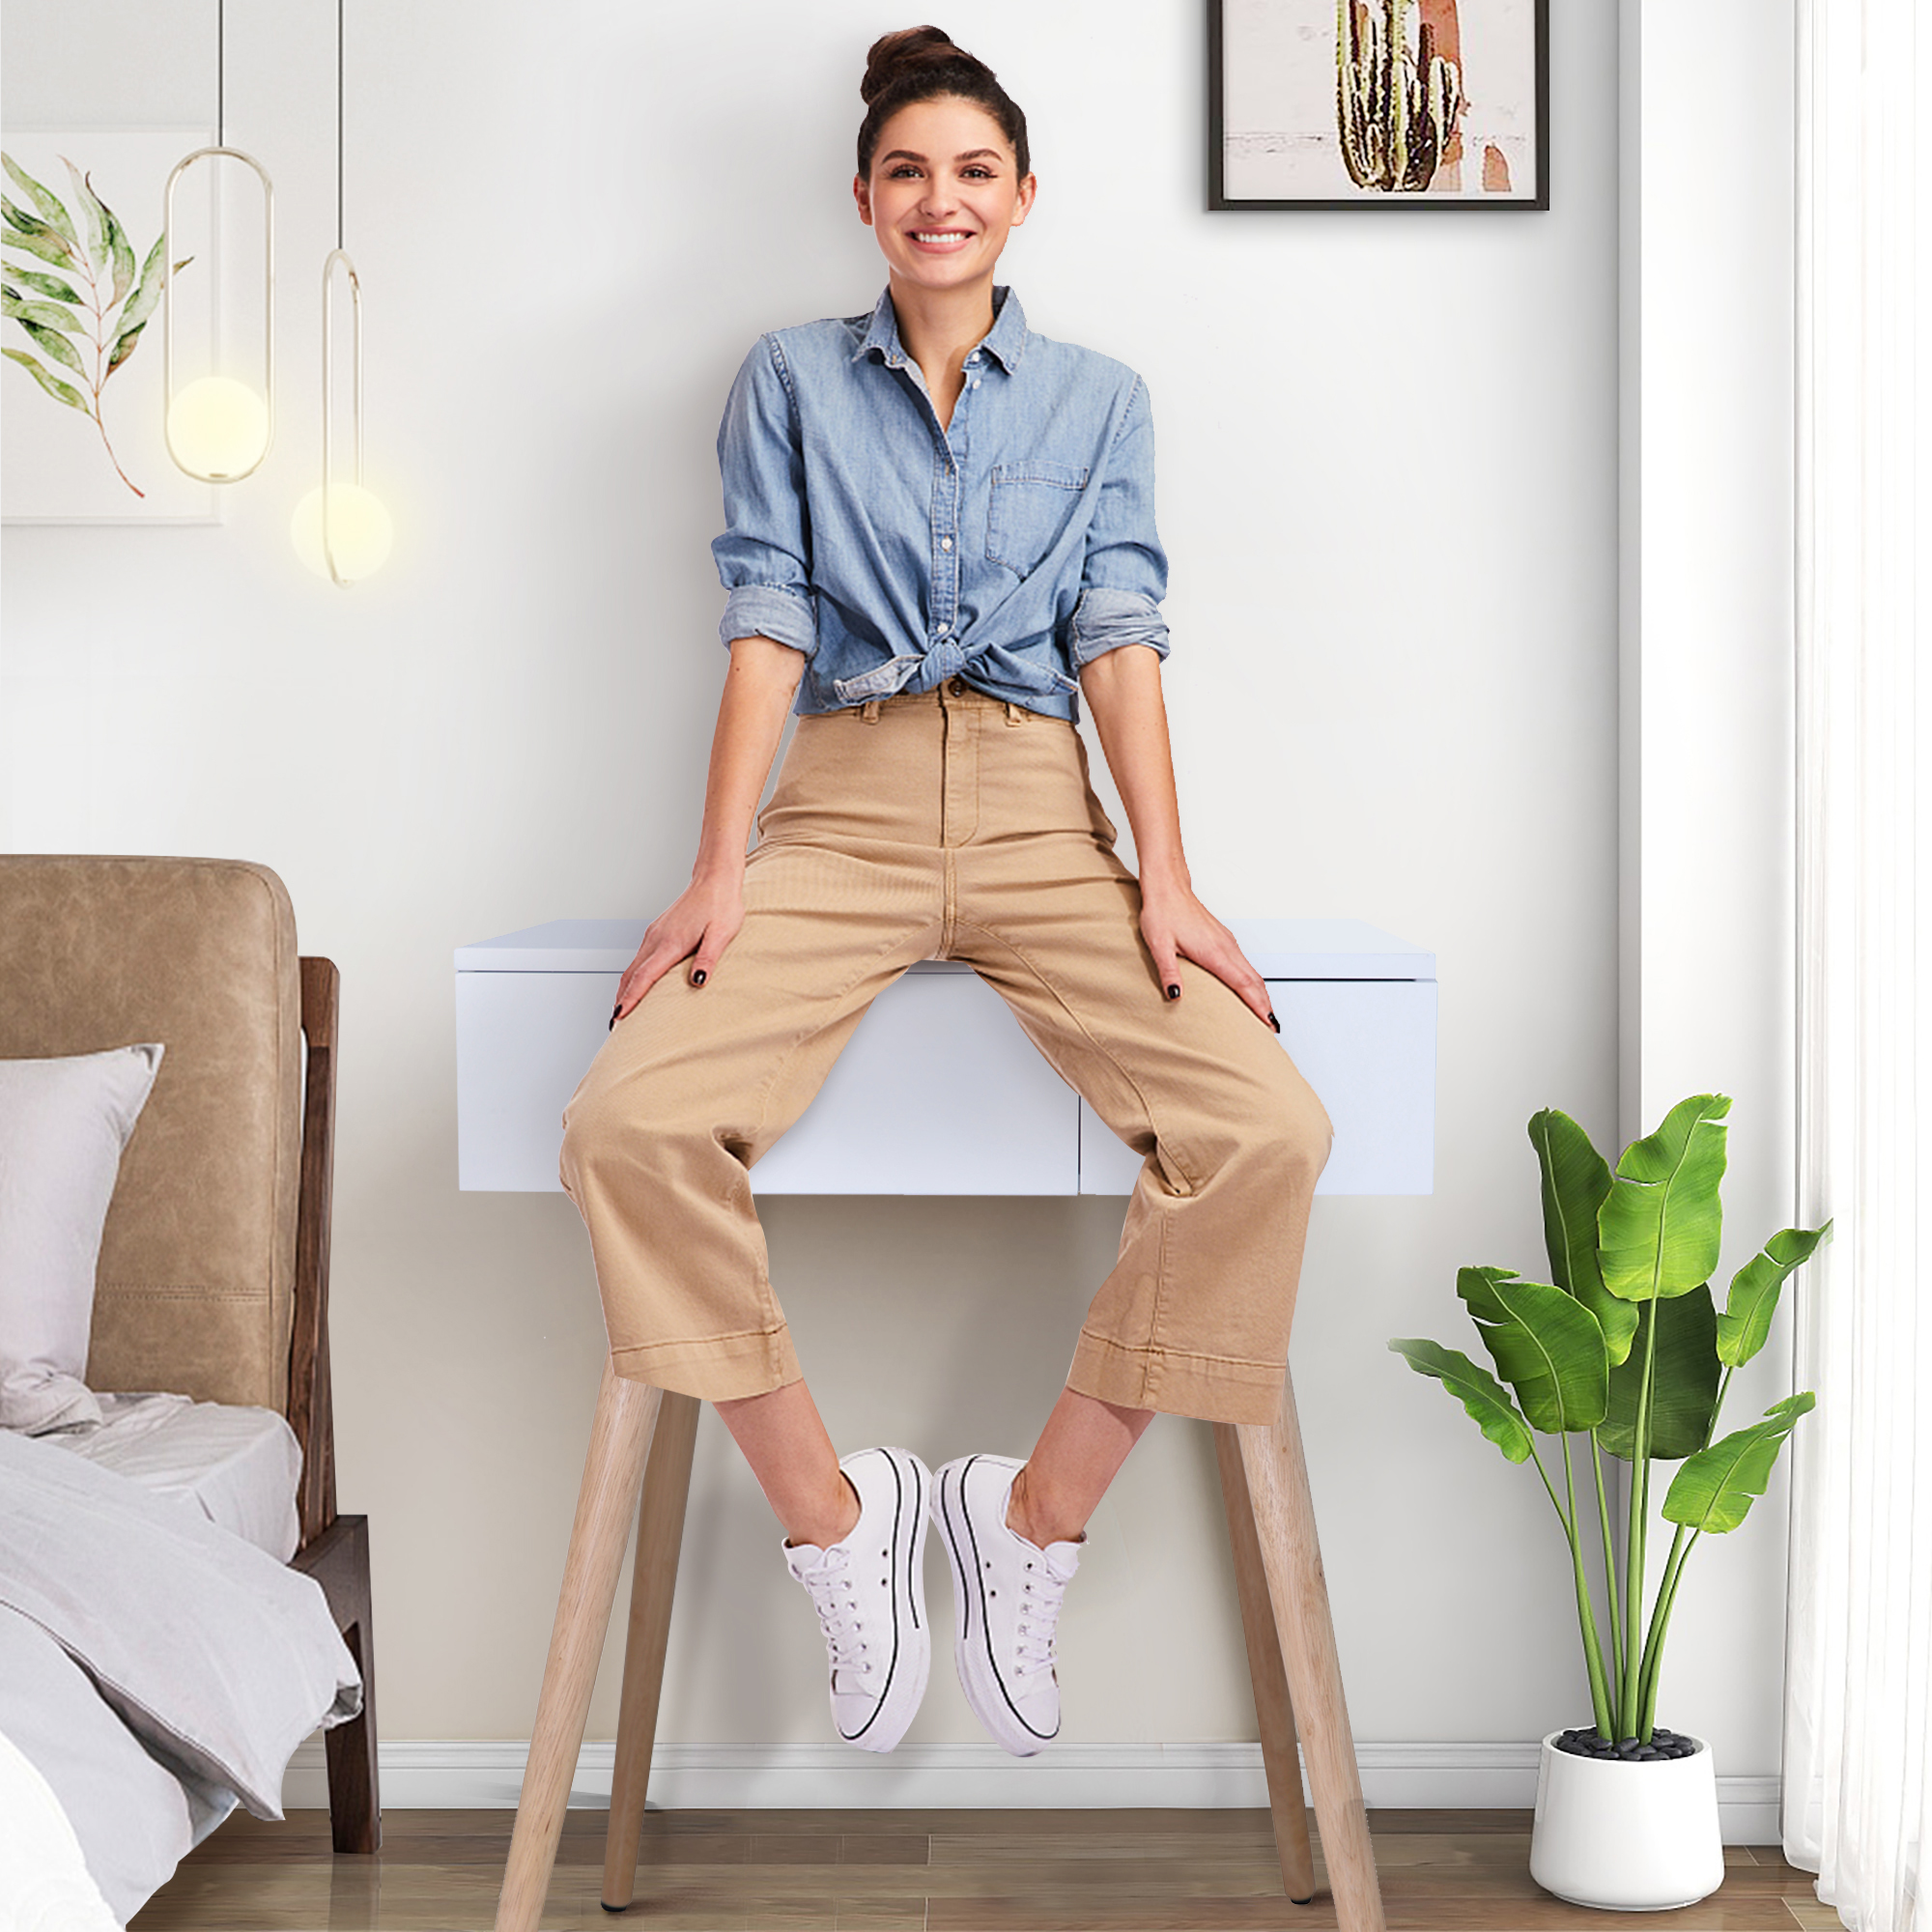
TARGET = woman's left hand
x,y
1178,926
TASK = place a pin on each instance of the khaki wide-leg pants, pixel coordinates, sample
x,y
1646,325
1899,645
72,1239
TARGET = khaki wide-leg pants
x,y
947,825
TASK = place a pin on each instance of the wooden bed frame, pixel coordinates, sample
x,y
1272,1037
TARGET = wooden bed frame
x,y
335,1549
213,1272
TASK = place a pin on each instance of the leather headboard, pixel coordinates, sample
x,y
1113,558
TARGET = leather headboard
x,y
195,1289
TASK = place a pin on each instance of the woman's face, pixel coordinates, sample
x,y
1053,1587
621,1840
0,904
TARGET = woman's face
x,y
943,192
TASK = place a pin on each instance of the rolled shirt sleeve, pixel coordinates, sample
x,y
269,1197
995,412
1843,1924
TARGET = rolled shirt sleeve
x,y
764,556
1125,576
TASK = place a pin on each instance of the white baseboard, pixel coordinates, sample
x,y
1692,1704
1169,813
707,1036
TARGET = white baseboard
x,y
466,1774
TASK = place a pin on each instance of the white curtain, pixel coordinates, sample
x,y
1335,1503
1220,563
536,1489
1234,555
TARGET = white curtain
x,y
1858,1706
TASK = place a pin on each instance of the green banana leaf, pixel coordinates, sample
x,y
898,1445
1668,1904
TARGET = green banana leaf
x,y
1746,1322
1479,1392
1714,1490
1684,1380
1659,1227
1545,1346
1575,1179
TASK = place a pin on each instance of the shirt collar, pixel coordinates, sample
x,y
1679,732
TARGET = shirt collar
x,y
1005,339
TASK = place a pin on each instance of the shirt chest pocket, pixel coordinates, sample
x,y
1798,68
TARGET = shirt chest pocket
x,y
1032,504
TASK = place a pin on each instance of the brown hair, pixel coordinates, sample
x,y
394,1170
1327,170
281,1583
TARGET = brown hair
x,y
921,64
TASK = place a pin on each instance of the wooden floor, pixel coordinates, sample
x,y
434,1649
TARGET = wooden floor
x,y
920,1871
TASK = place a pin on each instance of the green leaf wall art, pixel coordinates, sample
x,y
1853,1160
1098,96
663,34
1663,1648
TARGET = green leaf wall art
x,y
70,285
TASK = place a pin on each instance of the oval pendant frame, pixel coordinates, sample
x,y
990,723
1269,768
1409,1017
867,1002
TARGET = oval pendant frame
x,y
180,167
330,261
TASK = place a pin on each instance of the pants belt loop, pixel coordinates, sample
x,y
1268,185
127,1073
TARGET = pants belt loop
x,y
869,713
1015,713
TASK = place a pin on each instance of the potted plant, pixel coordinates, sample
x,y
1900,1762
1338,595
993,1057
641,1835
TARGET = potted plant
x,y
1624,1344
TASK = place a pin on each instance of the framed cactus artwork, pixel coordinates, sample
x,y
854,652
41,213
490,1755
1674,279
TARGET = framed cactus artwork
x,y
1377,103
81,276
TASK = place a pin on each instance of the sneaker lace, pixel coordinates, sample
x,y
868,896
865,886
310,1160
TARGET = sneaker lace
x,y
1038,1619
846,1641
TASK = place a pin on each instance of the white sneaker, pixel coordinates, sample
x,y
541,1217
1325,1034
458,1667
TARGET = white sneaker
x,y
1005,1597
870,1599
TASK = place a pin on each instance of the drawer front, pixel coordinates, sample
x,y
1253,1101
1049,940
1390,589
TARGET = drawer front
x,y
938,1093
1368,1049
522,1041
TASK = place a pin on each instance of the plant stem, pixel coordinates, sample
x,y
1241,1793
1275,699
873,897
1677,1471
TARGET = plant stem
x,y
1666,1596
1609,1561
1650,1663
100,379
1711,1428
1627,1696
1650,1666
1650,1670
1593,1649
109,448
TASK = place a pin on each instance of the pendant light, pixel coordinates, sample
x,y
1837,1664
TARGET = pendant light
x,y
219,428
342,530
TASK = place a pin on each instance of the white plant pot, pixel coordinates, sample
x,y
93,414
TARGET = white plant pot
x,y
1626,1837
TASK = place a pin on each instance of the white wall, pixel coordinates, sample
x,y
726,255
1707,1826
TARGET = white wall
x,y
1388,453
1708,828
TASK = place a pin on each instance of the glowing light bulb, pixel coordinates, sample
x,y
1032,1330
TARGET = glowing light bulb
x,y
218,428
359,531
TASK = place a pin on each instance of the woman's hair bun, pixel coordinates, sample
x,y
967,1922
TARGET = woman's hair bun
x,y
904,52
922,64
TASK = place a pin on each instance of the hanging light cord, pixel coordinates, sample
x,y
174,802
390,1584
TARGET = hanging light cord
x,y
220,73
338,123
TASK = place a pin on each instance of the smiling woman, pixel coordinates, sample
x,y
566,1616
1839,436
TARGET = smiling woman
x,y
939,535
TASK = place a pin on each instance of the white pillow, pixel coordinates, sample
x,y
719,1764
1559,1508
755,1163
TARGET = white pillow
x,y
63,1124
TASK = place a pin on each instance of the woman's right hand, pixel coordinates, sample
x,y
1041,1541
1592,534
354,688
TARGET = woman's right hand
x,y
697,926
706,916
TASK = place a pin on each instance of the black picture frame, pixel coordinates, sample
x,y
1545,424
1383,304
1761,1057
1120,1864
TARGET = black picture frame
x,y
1299,149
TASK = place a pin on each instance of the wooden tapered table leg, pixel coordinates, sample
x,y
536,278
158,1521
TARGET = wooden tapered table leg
x,y
1284,1516
1274,1710
620,1438
653,1579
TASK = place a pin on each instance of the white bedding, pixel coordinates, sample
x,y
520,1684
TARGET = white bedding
x,y
123,1819
155,1667
241,1467
44,1884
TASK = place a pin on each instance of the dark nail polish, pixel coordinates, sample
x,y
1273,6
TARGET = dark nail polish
x,y
1275,1023
1174,992
614,1019
699,978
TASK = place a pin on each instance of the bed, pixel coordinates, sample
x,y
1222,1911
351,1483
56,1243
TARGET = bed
x,y
181,1600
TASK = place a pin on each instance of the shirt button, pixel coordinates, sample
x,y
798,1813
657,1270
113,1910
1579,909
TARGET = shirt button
x,y
945,543
976,381
944,628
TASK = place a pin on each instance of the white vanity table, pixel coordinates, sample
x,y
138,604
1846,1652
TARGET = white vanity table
x,y
1357,1012
1356,1006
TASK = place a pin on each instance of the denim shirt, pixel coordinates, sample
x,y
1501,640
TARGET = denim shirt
x,y
1010,547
